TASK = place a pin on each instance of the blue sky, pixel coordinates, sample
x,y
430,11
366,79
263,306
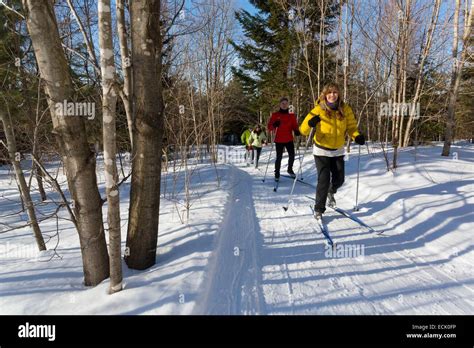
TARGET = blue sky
x,y
245,4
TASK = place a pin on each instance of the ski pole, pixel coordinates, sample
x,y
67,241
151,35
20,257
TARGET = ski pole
x,y
270,155
356,207
300,169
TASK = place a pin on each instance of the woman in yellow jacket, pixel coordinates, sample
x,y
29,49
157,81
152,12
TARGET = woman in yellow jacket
x,y
332,119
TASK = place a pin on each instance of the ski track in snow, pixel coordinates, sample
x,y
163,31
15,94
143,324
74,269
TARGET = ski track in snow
x,y
252,257
334,281
232,284
349,289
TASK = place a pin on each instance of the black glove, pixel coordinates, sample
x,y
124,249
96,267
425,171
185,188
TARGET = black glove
x,y
314,121
360,139
297,132
276,124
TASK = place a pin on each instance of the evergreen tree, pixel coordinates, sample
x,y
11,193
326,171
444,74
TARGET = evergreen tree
x,y
18,81
272,63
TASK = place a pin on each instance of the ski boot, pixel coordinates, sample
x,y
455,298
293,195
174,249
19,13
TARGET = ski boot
x,y
291,173
318,215
331,201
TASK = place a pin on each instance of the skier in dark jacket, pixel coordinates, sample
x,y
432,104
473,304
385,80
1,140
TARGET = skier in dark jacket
x,y
284,125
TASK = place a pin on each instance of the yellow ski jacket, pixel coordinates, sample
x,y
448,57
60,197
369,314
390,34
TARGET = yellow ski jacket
x,y
331,131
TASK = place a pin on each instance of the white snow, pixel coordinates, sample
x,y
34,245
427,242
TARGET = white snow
x,y
241,253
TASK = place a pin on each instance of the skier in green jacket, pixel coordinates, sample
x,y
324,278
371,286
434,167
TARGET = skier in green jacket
x,y
245,139
257,139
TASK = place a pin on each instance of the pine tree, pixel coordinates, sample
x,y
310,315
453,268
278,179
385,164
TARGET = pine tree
x,y
266,56
272,63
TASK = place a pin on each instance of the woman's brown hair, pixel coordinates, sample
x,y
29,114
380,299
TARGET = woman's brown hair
x,y
332,87
257,126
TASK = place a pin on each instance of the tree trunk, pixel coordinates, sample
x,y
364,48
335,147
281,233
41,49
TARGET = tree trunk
x,y
456,74
126,67
419,79
405,51
24,190
70,131
348,29
144,209
90,49
39,180
398,90
109,104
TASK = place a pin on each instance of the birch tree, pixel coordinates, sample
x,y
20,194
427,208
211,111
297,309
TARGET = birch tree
x,y
70,131
419,79
456,71
24,190
125,92
109,102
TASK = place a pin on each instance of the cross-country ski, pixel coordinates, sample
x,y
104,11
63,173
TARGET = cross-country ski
x,y
350,216
323,229
299,180
275,185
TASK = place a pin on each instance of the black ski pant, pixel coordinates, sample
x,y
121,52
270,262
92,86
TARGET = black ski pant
x,y
290,147
330,178
257,150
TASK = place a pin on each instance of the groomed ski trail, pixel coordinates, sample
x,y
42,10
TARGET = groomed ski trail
x,y
283,267
232,280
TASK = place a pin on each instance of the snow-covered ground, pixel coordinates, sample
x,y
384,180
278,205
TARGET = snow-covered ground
x,y
241,253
